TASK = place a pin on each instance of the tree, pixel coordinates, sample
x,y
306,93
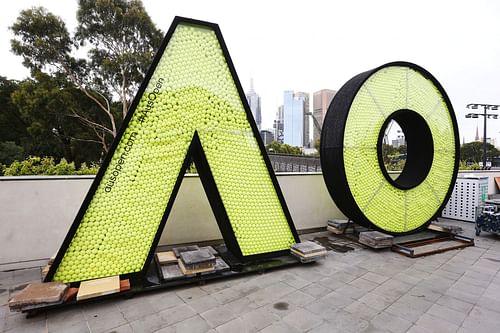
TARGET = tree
x,y
388,151
473,151
317,144
120,40
12,126
10,152
283,148
46,105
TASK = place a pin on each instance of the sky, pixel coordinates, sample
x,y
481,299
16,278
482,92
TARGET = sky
x,y
321,44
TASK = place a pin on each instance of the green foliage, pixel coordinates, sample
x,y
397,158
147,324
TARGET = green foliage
x,y
119,39
283,148
34,165
46,104
12,125
388,152
117,54
395,166
473,151
41,39
317,144
9,152
468,166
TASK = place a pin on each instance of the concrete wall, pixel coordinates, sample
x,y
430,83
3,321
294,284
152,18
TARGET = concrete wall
x,y
36,212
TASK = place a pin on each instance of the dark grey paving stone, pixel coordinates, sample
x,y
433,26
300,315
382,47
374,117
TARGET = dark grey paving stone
x,y
204,303
176,314
443,312
195,324
135,308
387,321
71,327
149,323
280,327
71,319
217,316
190,293
258,319
303,320
436,324
105,322
121,329
16,319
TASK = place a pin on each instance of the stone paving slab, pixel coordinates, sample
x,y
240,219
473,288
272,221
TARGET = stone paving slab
x,y
357,291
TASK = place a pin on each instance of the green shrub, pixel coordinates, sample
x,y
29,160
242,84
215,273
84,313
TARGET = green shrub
x,y
87,170
35,165
464,166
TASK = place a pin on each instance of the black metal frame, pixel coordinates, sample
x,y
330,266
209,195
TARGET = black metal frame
x,y
420,149
332,144
196,152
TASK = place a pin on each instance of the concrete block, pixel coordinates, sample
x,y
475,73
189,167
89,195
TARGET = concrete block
x,y
38,293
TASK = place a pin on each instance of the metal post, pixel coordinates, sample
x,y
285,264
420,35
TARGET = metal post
x,y
484,137
486,115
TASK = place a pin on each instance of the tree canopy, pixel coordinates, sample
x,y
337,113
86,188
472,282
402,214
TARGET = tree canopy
x,y
473,151
119,39
283,148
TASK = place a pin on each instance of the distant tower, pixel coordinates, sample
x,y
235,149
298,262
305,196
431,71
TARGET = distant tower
x,y
254,103
477,134
295,118
278,125
321,102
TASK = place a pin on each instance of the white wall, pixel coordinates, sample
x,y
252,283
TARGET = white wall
x,y
36,212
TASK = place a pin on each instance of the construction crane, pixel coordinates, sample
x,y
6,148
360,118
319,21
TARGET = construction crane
x,y
315,121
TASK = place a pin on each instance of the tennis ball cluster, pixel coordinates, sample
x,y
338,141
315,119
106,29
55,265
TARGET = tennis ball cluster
x,y
390,89
190,90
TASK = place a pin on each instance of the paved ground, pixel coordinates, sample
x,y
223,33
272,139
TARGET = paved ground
x,y
357,291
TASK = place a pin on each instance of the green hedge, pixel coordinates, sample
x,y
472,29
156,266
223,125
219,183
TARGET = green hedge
x,y
34,165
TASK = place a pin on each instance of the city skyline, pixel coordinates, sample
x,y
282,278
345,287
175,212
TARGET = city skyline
x,y
253,100
458,44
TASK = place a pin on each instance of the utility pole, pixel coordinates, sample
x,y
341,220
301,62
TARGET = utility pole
x,y
486,115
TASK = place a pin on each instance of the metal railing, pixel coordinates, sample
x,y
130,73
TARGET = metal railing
x,y
294,163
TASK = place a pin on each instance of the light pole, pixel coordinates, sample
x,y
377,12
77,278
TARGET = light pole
x,y
486,107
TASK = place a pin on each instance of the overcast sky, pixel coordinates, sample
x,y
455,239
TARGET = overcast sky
x,y
313,45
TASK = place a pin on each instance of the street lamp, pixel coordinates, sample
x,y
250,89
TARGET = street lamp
x,y
486,107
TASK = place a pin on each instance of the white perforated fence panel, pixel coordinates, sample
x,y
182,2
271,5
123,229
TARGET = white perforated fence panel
x,y
469,192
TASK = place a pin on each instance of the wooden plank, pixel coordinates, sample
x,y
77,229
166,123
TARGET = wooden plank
x,y
98,287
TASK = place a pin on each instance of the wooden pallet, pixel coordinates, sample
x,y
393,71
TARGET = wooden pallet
x,y
415,249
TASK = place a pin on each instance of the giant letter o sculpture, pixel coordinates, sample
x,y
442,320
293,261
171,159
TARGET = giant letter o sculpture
x,y
351,148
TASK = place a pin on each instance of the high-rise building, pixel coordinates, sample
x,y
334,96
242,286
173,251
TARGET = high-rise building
x,y
254,103
321,102
295,109
267,136
278,125
306,136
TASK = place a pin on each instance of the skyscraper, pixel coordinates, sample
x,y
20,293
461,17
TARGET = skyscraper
x,y
278,125
295,109
306,131
254,103
321,102
267,136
